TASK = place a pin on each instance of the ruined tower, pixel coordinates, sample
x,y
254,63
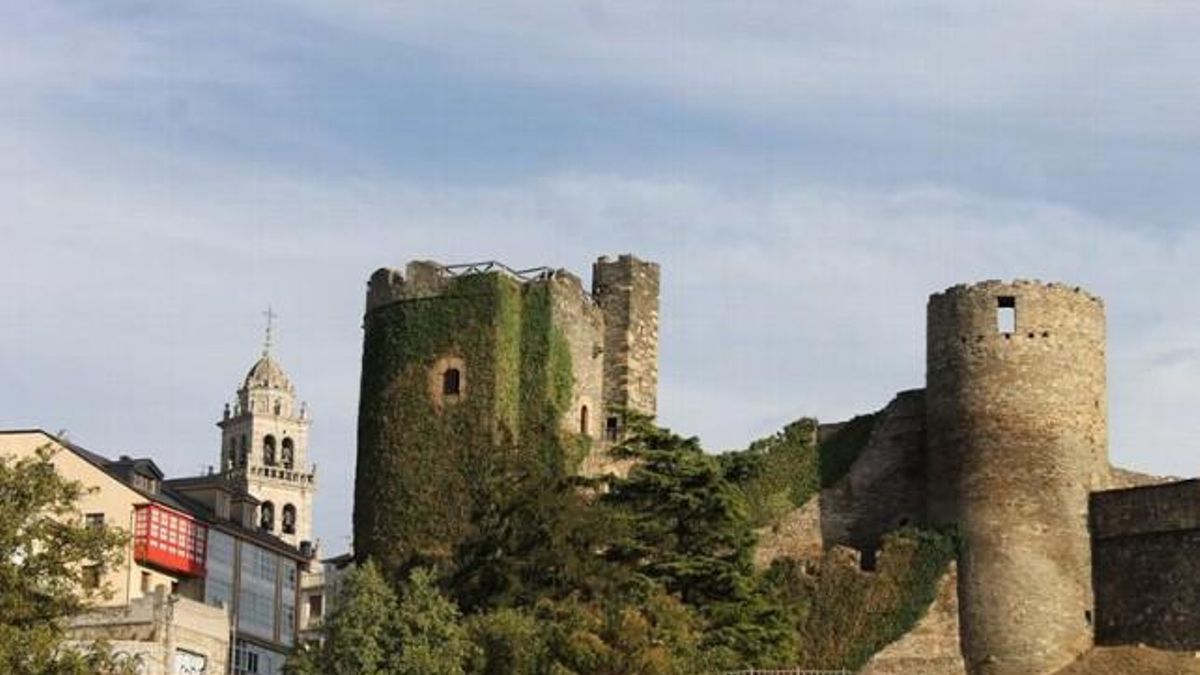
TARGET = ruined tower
x,y
1015,391
470,371
627,291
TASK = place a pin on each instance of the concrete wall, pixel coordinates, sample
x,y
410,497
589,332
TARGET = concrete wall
x,y
1146,565
1016,441
161,631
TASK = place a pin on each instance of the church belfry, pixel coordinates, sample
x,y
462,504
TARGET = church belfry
x,y
264,447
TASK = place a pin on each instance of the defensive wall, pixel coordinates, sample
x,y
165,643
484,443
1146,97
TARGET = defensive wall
x,y
1146,565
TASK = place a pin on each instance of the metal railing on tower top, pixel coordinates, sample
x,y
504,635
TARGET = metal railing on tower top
x,y
531,274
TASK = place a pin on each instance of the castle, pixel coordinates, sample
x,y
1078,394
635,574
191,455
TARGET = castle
x,y
1007,443
469,365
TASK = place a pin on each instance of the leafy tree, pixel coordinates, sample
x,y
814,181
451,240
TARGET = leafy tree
x,y
369,631
45,552
359,630
510,641
429,631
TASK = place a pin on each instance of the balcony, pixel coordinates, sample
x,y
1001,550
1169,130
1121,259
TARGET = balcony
x,y
169,540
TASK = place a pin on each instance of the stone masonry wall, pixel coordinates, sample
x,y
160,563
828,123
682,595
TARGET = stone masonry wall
x,y
1146,565
627,292
582,325
1016,441
931,647
885,488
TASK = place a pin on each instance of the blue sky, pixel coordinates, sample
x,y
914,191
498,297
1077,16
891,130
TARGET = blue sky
x,y
806,173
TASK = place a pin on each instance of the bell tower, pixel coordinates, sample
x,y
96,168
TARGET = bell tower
x,y
264,447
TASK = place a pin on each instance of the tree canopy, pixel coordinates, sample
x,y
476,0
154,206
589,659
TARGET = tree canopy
x,y
46,550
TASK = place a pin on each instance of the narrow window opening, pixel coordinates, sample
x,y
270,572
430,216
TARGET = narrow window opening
x,y
145,583
289,519
1006,314
288,454
611,428
91,577
269,450
451,382
266,520
583,420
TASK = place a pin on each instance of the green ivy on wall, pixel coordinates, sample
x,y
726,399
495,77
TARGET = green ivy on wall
x,y
845,615
783,471
423,469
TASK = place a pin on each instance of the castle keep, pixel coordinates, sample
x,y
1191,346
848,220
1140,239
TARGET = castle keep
x,y
469,369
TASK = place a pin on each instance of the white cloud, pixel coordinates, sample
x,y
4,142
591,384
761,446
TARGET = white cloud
x,y
1079,66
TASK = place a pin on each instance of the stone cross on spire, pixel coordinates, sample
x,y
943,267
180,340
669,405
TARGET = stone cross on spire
x,y
270,314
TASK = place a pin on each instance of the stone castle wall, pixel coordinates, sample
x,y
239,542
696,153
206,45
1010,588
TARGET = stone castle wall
x,y
581,324
1016,441
1146,565
627,291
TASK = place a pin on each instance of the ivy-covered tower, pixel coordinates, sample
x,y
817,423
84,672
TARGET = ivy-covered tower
x,y
264,449
469,370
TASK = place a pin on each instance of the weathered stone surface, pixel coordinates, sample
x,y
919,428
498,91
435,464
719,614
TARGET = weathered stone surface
x,y
931,647
885,487
796,535
627,290
1146,565
1016,440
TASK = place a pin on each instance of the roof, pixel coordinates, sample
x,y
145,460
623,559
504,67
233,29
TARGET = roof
x,y
267,373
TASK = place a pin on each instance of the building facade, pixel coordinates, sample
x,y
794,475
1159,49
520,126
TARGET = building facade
x,y
195,554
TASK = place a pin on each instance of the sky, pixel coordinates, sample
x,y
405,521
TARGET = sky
x,y
806,173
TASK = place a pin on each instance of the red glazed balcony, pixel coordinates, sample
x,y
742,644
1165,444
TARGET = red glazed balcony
x,y
169,540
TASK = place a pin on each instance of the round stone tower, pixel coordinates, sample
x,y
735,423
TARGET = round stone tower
x,y
1017,438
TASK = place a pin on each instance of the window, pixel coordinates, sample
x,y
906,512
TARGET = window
x,y
269,450
1006,314
91,577
316,604
583,420
451,382
611,428
289,519
288,453
94,521
278,407
266,516
145,582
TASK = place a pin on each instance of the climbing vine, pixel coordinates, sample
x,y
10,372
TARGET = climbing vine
x,y
846,615
783,471
424,466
